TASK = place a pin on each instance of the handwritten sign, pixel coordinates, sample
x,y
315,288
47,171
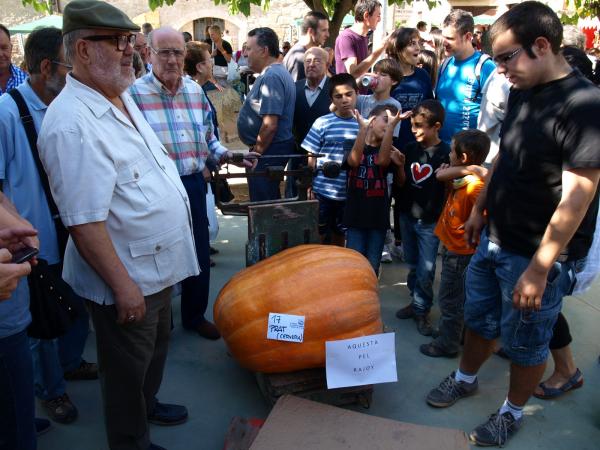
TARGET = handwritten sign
x,y
362,360
285,327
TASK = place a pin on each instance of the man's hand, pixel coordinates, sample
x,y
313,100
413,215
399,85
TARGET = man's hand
x,y
528,292
249,160
473,227
10,274
130,304
395,119
16,238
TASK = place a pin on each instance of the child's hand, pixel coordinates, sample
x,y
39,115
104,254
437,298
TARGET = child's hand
x,y
397,157
394,119
442,167
363,124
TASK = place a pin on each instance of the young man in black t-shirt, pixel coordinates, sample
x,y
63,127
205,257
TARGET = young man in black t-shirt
x,y
542,203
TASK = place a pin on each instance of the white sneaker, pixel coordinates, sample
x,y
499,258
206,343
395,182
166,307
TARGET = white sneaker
x,y
385,256
397,252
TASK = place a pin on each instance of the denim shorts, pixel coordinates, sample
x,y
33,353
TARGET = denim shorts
x,y
331,215
491,277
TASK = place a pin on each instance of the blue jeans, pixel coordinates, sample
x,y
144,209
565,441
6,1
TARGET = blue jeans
x,y
368,242
491,277
53,357
262,188
420,246
17,408
195,290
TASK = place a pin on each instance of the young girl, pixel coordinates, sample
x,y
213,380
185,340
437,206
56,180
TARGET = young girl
x,y
366,214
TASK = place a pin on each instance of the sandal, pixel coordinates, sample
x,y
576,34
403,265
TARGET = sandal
x,y
575,382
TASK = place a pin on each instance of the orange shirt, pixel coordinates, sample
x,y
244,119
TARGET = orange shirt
x,y
450,226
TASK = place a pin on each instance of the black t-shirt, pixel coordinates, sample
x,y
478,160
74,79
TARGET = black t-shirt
x,y
547,129
422,195
220,59
367,204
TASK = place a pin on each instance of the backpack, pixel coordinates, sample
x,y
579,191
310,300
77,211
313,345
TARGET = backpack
x,y
480,62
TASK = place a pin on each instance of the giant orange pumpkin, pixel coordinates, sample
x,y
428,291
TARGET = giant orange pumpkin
x,y
334,288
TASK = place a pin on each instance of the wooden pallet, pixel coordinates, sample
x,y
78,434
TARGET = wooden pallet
x,y
311,384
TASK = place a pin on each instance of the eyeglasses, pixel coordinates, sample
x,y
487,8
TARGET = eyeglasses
x,y
60,63
122,39
505,58
165,53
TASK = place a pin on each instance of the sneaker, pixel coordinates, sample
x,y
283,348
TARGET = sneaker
x,y
405,313
496,431
397,252
385,256
423,325
449,391
42,426
85,371
60,409
166,414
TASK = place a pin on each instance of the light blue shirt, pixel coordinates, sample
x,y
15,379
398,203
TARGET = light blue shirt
x,y
327,136
459,91
22,186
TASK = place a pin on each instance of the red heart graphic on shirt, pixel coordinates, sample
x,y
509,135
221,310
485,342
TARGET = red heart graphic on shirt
x,y
420,172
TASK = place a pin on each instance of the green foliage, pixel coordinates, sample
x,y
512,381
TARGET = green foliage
x,y
39,5
576,9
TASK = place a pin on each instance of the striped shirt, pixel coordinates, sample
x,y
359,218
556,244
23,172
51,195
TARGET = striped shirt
x,y
17,76
327,136
183,122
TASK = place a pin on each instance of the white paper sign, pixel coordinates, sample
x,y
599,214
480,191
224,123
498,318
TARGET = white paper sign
x,y
285,327
362,360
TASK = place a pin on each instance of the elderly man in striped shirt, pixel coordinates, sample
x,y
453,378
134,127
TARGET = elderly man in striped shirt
x,y
179,113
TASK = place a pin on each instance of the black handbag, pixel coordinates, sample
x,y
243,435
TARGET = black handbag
x,y
52,303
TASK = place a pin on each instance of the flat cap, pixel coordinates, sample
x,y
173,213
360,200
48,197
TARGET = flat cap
x,y
84,14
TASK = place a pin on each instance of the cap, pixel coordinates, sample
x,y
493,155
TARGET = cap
x,y
82,14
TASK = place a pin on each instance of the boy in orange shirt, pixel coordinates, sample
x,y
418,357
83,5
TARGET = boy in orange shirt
x,y
465,173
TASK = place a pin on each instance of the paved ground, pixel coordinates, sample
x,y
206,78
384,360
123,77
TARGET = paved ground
x,y
200,375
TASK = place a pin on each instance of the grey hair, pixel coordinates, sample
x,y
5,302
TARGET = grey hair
x,y
573,37
69,41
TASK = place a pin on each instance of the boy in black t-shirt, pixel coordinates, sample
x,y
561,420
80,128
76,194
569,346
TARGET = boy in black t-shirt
x,y
367,211
542,204
421,202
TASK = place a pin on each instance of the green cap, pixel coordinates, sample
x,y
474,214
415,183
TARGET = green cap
x,y
84,14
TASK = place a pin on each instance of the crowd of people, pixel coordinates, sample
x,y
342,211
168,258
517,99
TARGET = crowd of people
x,y
482,140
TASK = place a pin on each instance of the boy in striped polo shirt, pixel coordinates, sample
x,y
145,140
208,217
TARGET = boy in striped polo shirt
x,y
327,137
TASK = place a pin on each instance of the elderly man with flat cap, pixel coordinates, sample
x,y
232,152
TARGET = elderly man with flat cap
x,y
128,214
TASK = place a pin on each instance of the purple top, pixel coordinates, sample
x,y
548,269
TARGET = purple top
x,y
347,45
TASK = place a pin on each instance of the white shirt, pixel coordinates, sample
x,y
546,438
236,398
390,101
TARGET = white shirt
x,y
494,97
312,94
103,169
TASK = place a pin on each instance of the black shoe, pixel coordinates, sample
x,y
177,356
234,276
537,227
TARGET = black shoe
x,y
449,391
42,426
496,431
166,414
424,325
60,409
405,313
435,352
155,447
208,330
85,371
213,251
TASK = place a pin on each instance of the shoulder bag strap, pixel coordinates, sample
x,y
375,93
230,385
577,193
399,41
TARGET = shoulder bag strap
x,y
29,127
